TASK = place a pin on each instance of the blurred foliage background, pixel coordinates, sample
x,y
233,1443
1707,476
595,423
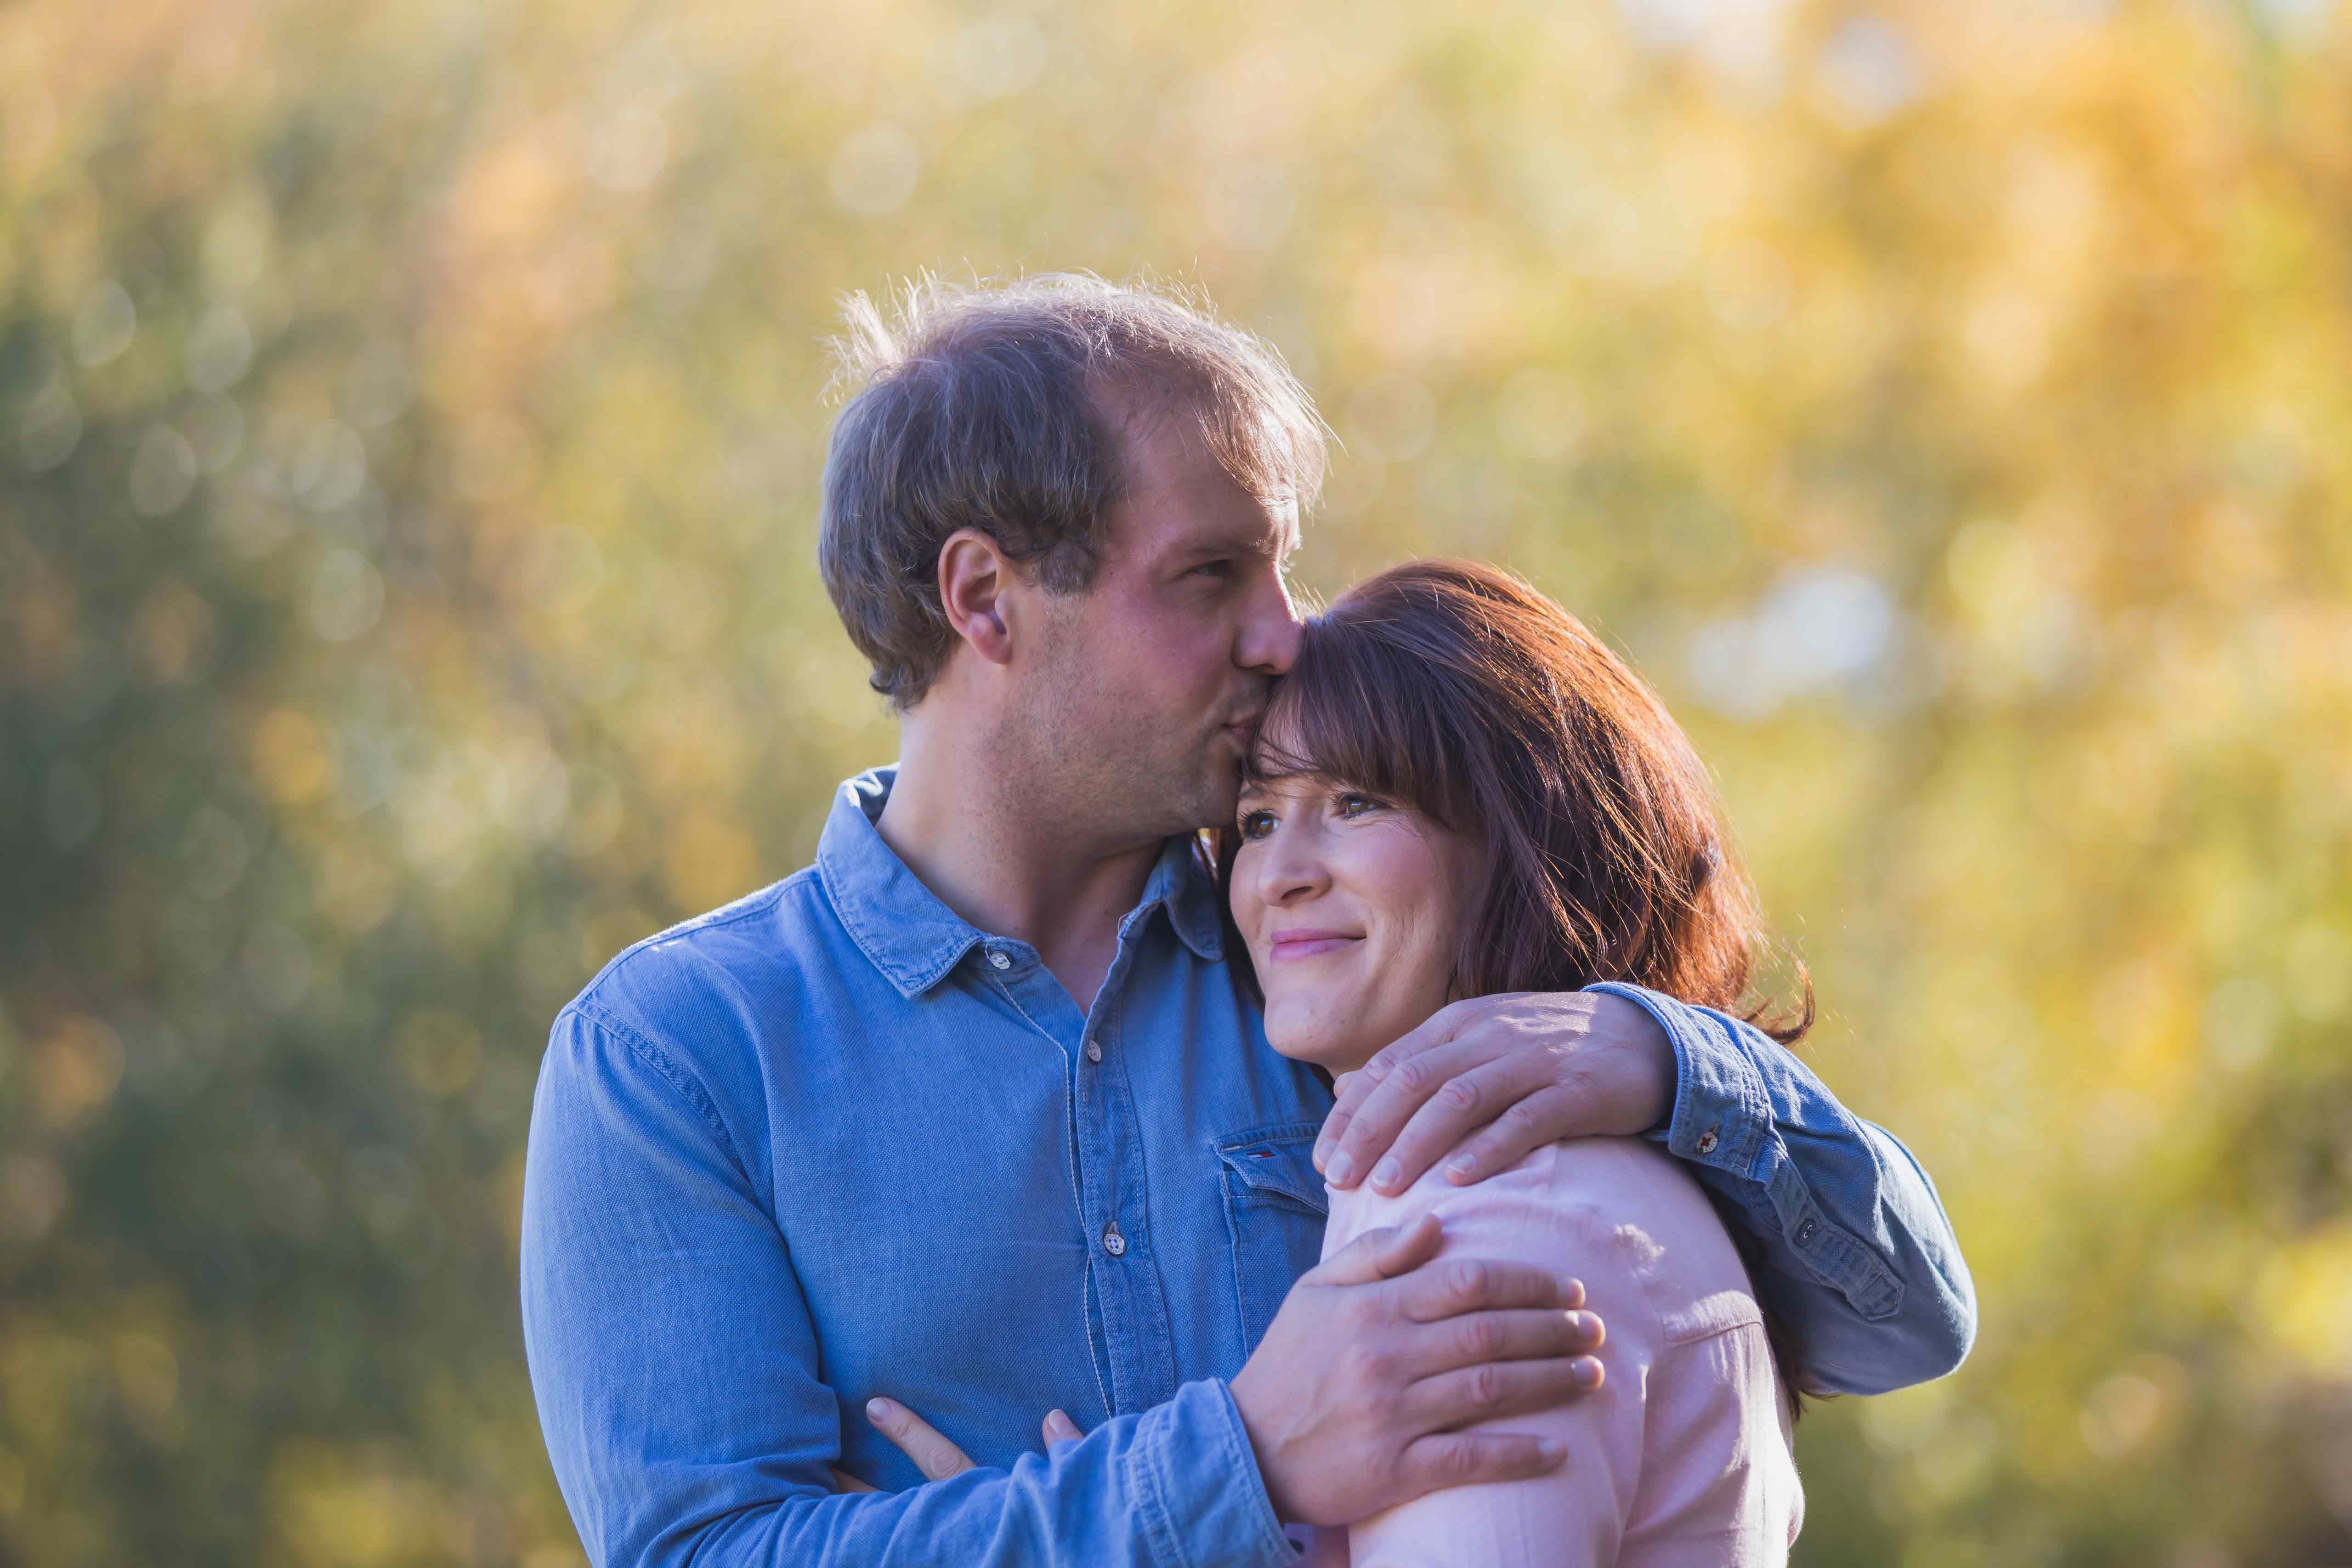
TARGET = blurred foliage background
x,y
409,422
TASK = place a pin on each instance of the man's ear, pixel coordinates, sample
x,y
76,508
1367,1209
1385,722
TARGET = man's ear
x,y
975,574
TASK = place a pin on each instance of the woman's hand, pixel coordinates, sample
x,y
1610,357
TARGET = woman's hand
x,y
925,1444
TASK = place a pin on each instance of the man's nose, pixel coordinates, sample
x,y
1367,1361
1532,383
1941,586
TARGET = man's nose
x,y
1270,637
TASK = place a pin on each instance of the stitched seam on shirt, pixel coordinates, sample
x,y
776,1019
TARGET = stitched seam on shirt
x,y
1116,1022
689,1088
869,941
1070,1165
1151,1489
762,903
1701,1335
1244,1459
1835,1256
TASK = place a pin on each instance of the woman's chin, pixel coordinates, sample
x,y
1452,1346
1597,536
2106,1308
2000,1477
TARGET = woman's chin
x,y
1303,1035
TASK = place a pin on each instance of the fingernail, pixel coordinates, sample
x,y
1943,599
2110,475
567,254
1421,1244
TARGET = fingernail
x,y
1340,1171
877,1408
1587,1373
1385,1174
1551,1451
1462,1168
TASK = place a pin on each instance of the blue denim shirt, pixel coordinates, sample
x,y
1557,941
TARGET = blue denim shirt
x,y
832,1141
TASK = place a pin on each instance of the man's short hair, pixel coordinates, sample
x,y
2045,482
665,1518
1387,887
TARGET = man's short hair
x,y
991,407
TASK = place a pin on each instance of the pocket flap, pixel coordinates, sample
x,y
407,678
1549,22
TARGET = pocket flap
x,y
1279,1160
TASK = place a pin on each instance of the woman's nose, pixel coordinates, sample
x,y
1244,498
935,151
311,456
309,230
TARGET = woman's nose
x,y
1289,869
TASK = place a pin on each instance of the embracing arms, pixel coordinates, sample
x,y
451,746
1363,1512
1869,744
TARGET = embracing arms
x,y
678,1377
1858,1258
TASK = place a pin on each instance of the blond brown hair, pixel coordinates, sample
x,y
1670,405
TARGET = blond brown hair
x,y
999,409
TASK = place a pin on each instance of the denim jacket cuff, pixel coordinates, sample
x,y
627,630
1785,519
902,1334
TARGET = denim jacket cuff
x,y
1196,1482
1722,1117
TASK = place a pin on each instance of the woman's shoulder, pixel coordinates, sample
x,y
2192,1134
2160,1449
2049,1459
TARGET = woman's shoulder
x,y
1662,1225
1610,1211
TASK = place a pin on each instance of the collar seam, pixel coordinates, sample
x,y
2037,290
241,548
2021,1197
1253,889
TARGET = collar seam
x,y
911,980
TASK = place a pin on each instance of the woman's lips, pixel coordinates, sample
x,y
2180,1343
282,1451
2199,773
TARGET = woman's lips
x,y
1289,944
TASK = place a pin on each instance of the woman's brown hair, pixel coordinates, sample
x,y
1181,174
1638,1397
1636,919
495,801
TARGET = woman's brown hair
x,y
1460,691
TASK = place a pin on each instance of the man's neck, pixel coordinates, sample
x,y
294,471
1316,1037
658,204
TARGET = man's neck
x,y
1009,863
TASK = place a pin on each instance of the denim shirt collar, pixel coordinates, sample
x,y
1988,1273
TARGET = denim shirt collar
x,y
905,930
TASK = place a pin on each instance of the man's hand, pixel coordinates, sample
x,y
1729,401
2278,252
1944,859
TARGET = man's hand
x,y
1378,1355
1518,1070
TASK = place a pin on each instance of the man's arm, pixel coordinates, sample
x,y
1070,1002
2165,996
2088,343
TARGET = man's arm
x,y
674,1366
673,1362
1859,1259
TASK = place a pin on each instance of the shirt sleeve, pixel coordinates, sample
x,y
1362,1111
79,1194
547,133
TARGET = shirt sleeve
x,y
674,1366
1853,1250
1575,1516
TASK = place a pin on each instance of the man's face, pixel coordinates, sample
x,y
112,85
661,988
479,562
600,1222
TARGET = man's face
x,y
1149,686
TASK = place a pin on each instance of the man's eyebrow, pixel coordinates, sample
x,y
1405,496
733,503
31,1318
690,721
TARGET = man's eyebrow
x,y
1252,543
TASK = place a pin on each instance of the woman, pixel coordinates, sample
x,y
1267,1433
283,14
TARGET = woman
x,y
1459,790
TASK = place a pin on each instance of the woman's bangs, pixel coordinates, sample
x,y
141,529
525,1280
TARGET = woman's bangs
x,y
1358,713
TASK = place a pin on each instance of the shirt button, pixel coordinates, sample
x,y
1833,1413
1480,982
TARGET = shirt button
x,y
999,961
1094,1049
1113,1242
1706,1142
1805,1231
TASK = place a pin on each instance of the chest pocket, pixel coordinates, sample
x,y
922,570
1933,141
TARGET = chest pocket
x,y
1275,1208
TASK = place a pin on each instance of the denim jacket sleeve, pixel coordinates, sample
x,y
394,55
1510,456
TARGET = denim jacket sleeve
x,y
677,1372
1858,1259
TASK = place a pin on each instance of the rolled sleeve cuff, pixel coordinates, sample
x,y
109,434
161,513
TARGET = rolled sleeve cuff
x,y
1722,1116
1195,1478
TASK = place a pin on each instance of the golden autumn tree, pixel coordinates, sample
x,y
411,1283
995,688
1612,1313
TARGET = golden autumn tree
x,y
409,422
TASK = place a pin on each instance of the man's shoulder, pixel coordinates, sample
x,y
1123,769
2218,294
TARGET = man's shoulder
x,y
720,973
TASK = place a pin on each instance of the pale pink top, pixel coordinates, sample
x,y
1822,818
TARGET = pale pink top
x,y
1682,1458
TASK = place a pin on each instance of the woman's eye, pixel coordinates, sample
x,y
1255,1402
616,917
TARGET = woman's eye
x,y
1356,805
1256,824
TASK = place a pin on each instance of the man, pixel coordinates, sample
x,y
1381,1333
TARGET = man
x,y
975,1113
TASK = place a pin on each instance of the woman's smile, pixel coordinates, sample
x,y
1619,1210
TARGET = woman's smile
x,y
1309,942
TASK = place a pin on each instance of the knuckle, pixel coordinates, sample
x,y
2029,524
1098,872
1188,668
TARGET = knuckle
x,y
1470,1280
1482,1337
1413,1075
1486,1385
1461,1094
1519,1119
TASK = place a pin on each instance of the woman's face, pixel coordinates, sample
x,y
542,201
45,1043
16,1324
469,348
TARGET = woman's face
x,y
1352,908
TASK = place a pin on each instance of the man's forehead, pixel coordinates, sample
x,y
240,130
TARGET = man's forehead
x,y
1180,495
1200,514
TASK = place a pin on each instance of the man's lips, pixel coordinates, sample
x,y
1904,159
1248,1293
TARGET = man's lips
x,y
1308,943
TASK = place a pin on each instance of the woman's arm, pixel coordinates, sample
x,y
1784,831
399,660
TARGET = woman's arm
x,y
1576,1516
1858,1259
